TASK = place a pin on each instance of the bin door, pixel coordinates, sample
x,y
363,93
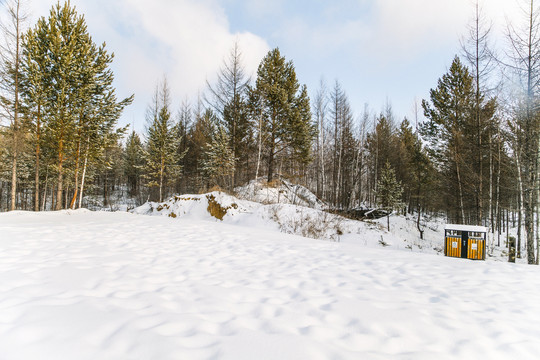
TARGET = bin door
x,y
464,244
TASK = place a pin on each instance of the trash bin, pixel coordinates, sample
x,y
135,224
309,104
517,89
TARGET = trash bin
x,y
465,241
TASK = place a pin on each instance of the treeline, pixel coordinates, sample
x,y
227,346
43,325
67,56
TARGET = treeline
x,y
470,151
60,107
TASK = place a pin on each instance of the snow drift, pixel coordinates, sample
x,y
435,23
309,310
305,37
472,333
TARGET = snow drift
x,y
279,192
312,222
95,285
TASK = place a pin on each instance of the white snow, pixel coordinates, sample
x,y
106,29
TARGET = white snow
x,y
460,227
279,192
96,285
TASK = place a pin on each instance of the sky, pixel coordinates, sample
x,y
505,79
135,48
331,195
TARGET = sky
x,y
380,51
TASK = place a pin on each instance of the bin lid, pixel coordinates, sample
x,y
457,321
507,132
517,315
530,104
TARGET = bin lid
x,y
460,227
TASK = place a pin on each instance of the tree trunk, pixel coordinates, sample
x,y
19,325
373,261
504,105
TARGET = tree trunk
x,y
259,153
461,207
17,20
59,190
14,174
44,201
497,208
77,161
271,158
38,134
418,224
161,170
84,170
520,202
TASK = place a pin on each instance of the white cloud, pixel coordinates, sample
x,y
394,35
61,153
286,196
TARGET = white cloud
x,y
185,39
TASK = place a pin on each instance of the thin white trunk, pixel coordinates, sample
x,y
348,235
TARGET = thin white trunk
x,y
260,147
498,186
520,214
490,213
161,181
14,174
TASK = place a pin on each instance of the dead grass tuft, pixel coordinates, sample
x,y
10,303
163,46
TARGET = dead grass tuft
x,y
275,183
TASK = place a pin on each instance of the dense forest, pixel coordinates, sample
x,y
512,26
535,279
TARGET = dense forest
x,y
470,152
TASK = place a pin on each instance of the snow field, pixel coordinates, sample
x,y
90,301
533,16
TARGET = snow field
x,y
85,285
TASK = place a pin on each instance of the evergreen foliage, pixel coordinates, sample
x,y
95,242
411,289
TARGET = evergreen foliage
x,y
219,162
68,90
284,110
161,153
133,163
389,189
228,101
451,136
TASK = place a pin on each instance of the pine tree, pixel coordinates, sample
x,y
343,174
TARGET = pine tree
x,y
34,89
415,171
381,148
68,87
219,162
451,137
285,113
228,100
133,163
183,125
389,191
161,152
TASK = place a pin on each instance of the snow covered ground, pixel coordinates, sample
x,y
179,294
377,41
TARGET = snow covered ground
x,y
96,285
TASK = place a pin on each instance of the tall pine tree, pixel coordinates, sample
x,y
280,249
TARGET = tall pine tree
x,y
284,110
161,153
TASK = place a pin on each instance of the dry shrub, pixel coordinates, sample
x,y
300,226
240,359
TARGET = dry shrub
x,y
274,183
215,188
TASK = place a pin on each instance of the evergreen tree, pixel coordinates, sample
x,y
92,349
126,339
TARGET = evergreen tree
x,y
389,191
381,148
161,153
415,172
285,113
133,163
451,138
199,137
228,100
183,125
219,162
69,86
34,90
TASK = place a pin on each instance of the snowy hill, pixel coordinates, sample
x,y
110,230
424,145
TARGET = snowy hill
x,y
96,285
306,221
284,217
278,192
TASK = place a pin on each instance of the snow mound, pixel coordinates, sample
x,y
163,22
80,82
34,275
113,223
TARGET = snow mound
x,y
311,223
286,218
215,205
279,192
